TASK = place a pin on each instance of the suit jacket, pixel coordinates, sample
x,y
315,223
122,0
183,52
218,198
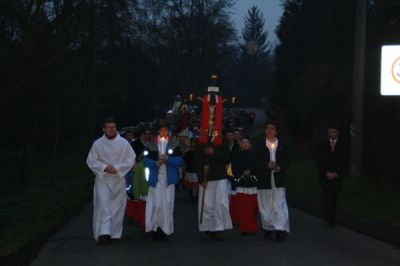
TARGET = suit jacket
x,y
264,174
332,161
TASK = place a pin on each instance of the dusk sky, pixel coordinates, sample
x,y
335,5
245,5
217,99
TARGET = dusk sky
x,y
271,9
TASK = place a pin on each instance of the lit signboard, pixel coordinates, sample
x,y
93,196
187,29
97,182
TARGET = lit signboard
x,y
390,70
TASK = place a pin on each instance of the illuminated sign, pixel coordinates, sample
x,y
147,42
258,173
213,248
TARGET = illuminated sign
x,y
390,70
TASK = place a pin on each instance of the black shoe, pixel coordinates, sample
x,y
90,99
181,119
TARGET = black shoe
x,y
268,235
155,235
281,236
218,236
104,240
248,233
211,235
163,236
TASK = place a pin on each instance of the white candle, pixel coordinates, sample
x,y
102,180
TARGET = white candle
x,y
162,142
272,152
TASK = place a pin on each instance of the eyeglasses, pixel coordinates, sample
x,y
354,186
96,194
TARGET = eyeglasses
x,y
109,127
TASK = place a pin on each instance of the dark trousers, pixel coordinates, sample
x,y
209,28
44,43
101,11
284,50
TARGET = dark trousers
x,y
330,192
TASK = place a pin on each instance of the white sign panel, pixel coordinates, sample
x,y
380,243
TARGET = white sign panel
x,y
390,70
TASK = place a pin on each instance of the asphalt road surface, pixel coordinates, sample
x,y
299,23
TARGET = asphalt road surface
x,y
310,242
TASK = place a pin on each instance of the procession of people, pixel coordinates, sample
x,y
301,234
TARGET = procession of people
x,y
234,180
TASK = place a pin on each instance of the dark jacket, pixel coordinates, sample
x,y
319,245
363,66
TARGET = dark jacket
x,y
191,161
233,150
264,174
138,147
217,163
244,160
332,161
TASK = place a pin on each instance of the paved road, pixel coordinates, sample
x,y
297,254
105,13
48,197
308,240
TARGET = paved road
x,y
311,242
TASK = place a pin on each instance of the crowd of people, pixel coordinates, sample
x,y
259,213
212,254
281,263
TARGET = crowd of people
x,y
237,183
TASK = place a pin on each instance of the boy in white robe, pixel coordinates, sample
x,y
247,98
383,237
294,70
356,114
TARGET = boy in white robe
x,y
271,195
110,159
161,169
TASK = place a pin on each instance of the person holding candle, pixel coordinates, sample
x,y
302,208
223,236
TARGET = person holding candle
x,y
332,161
271,194
162,160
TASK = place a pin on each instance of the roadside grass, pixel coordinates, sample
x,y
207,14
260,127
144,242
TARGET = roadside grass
x,y
31,211
369,196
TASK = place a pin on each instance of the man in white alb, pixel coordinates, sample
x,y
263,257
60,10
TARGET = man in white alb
x,y
110,159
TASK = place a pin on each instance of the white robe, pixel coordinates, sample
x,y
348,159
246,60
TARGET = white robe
x,y
160,206
273,209
109,192
216,216
160,199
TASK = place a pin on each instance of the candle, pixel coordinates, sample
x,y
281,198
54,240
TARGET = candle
x,y
272,152
191,97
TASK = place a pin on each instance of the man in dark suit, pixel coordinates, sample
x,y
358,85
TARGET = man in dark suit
x,y
332,162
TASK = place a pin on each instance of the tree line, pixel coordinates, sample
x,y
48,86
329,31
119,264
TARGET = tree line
x,y
67,64
313,73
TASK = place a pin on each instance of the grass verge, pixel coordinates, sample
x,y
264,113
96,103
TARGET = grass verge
x,y
32,210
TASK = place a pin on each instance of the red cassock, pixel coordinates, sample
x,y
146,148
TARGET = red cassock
x,y
136,210
205,118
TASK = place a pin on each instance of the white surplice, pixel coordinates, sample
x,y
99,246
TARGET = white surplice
x,y
273,209
109,192
160,206
216,216
160,199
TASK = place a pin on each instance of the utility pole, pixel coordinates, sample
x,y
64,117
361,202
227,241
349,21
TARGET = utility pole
x,y
357,123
